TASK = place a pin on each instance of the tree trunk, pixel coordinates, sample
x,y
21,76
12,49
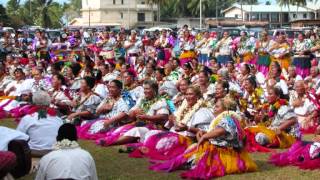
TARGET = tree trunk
x,y
158,13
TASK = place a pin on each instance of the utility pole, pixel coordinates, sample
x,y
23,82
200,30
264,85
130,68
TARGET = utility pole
x,y
89,16
200,14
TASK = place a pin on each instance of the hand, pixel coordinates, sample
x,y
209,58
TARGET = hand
x,y
276,130
12,88
181,127
272,82
74,103
139,111
202,140
172,119
108,107
107,123
142,117
297,103
199,135
72,116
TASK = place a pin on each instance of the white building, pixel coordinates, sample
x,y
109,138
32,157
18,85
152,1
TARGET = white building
x,y
274,14
125,13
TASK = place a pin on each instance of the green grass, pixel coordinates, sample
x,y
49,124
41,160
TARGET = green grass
x,y
113,165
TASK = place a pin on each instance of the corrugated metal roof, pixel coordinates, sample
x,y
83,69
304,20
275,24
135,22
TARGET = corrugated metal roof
x,y
269,8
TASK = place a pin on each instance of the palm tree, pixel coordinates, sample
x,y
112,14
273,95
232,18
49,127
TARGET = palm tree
x,y
43,8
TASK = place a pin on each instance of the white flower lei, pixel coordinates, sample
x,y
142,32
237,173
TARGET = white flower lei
x,y
189,114
65,144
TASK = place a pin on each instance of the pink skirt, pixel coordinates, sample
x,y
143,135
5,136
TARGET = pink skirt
x,y
298,155
163,145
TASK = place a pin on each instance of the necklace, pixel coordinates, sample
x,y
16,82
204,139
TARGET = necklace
x,y
65,144
146,104
273,109
184,113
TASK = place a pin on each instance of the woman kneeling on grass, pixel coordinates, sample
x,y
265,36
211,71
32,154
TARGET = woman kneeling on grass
x,y
149,113
191,117
219,151
283,129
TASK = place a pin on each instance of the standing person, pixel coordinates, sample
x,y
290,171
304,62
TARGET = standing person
x,y
163,52
68,160
107,44
244,49
205,47
42,47
187,48
301,59
262,48
280,52
224,49
133,45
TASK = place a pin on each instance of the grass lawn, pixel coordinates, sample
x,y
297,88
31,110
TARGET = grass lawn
x,y
113,165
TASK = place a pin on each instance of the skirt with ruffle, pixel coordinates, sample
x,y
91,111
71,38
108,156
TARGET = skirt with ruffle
x,y
186,56
298,155
162,145
282,140
209,161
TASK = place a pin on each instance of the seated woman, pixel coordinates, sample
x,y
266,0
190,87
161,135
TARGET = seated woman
x,y
305,155
13,91
275,79
149,113
252,99
207,89
182,90
132,91
100,88
220,150
283,129
84,107
38,82
60,95
191,117
5,79
112,111
304,108
41,124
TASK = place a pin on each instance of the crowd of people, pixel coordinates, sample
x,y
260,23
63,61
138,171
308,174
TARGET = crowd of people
x,y
181,99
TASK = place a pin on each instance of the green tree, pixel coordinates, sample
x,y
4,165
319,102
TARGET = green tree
x,y
159,4
72,9
4,18
13,6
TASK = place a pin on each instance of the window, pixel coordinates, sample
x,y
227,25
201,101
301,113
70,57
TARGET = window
x,y
114,1
236,16
264,17
274,17
121,15
141,17
294,15
254,16
304,16
121,1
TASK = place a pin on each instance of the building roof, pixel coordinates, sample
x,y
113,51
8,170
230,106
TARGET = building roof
x,y
269,8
